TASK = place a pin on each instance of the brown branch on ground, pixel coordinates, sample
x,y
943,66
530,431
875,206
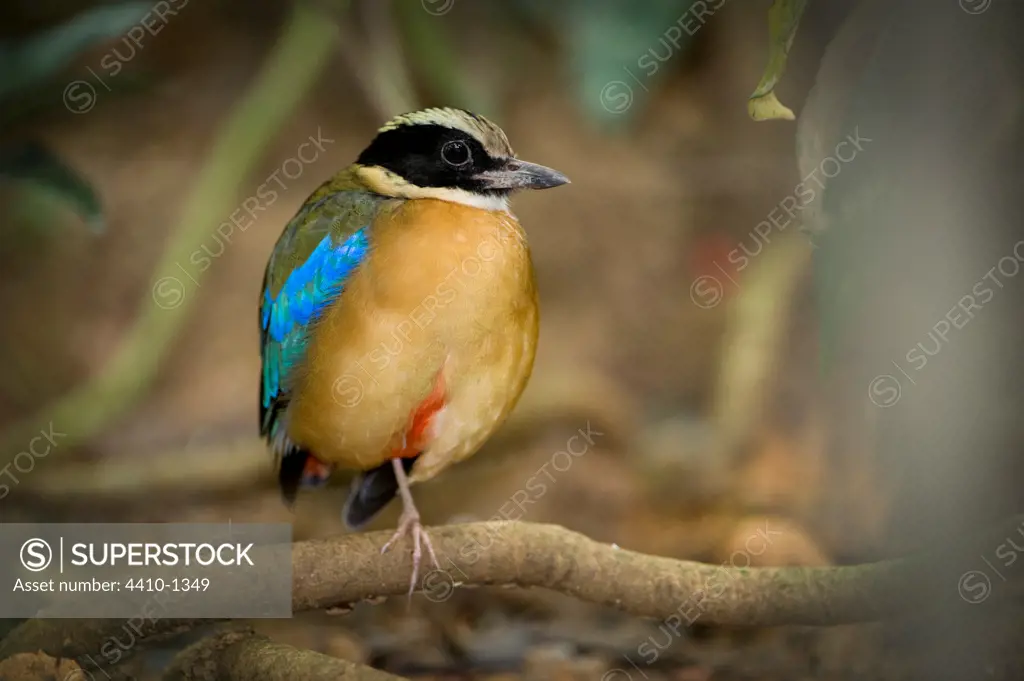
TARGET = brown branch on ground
x,y
349,569
78,638
37,667
245,656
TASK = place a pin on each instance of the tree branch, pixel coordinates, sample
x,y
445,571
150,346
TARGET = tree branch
x,y
245,656
349,569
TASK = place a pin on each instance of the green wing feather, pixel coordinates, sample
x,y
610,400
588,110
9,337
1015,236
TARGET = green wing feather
x,y
321,246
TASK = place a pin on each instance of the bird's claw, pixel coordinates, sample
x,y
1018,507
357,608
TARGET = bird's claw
x,y
409,524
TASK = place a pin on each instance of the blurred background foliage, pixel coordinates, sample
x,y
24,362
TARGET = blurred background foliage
x,y
599,38
131,131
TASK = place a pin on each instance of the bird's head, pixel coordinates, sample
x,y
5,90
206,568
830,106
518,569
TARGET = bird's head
x,y
449,154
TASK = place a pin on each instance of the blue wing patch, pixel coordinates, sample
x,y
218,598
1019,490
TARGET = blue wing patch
x,y
307,291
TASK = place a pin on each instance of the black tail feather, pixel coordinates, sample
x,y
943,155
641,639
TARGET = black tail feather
x,y
371,492
290,472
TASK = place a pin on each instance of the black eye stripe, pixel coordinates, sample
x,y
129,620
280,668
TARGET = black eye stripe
x,y
430,156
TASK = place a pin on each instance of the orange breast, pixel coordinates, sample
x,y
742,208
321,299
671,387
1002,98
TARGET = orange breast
x,y
429,345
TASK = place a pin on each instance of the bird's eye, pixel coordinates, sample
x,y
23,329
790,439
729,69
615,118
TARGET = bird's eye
x,y
456,153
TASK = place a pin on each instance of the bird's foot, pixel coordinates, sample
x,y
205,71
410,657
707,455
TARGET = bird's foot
x,y
409,524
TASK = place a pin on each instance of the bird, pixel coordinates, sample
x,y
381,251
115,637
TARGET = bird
x,y
399,316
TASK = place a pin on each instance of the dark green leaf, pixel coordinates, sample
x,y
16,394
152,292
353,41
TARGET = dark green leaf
x,y
34,164
42,57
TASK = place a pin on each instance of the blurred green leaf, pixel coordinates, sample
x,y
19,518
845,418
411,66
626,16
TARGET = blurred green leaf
x,y
783,20
43,56
33,163
616,49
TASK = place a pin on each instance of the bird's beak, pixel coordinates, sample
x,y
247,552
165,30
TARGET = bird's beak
x,y
516,174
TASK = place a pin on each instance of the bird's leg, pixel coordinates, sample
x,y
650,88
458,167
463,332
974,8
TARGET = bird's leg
x,y
409,523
